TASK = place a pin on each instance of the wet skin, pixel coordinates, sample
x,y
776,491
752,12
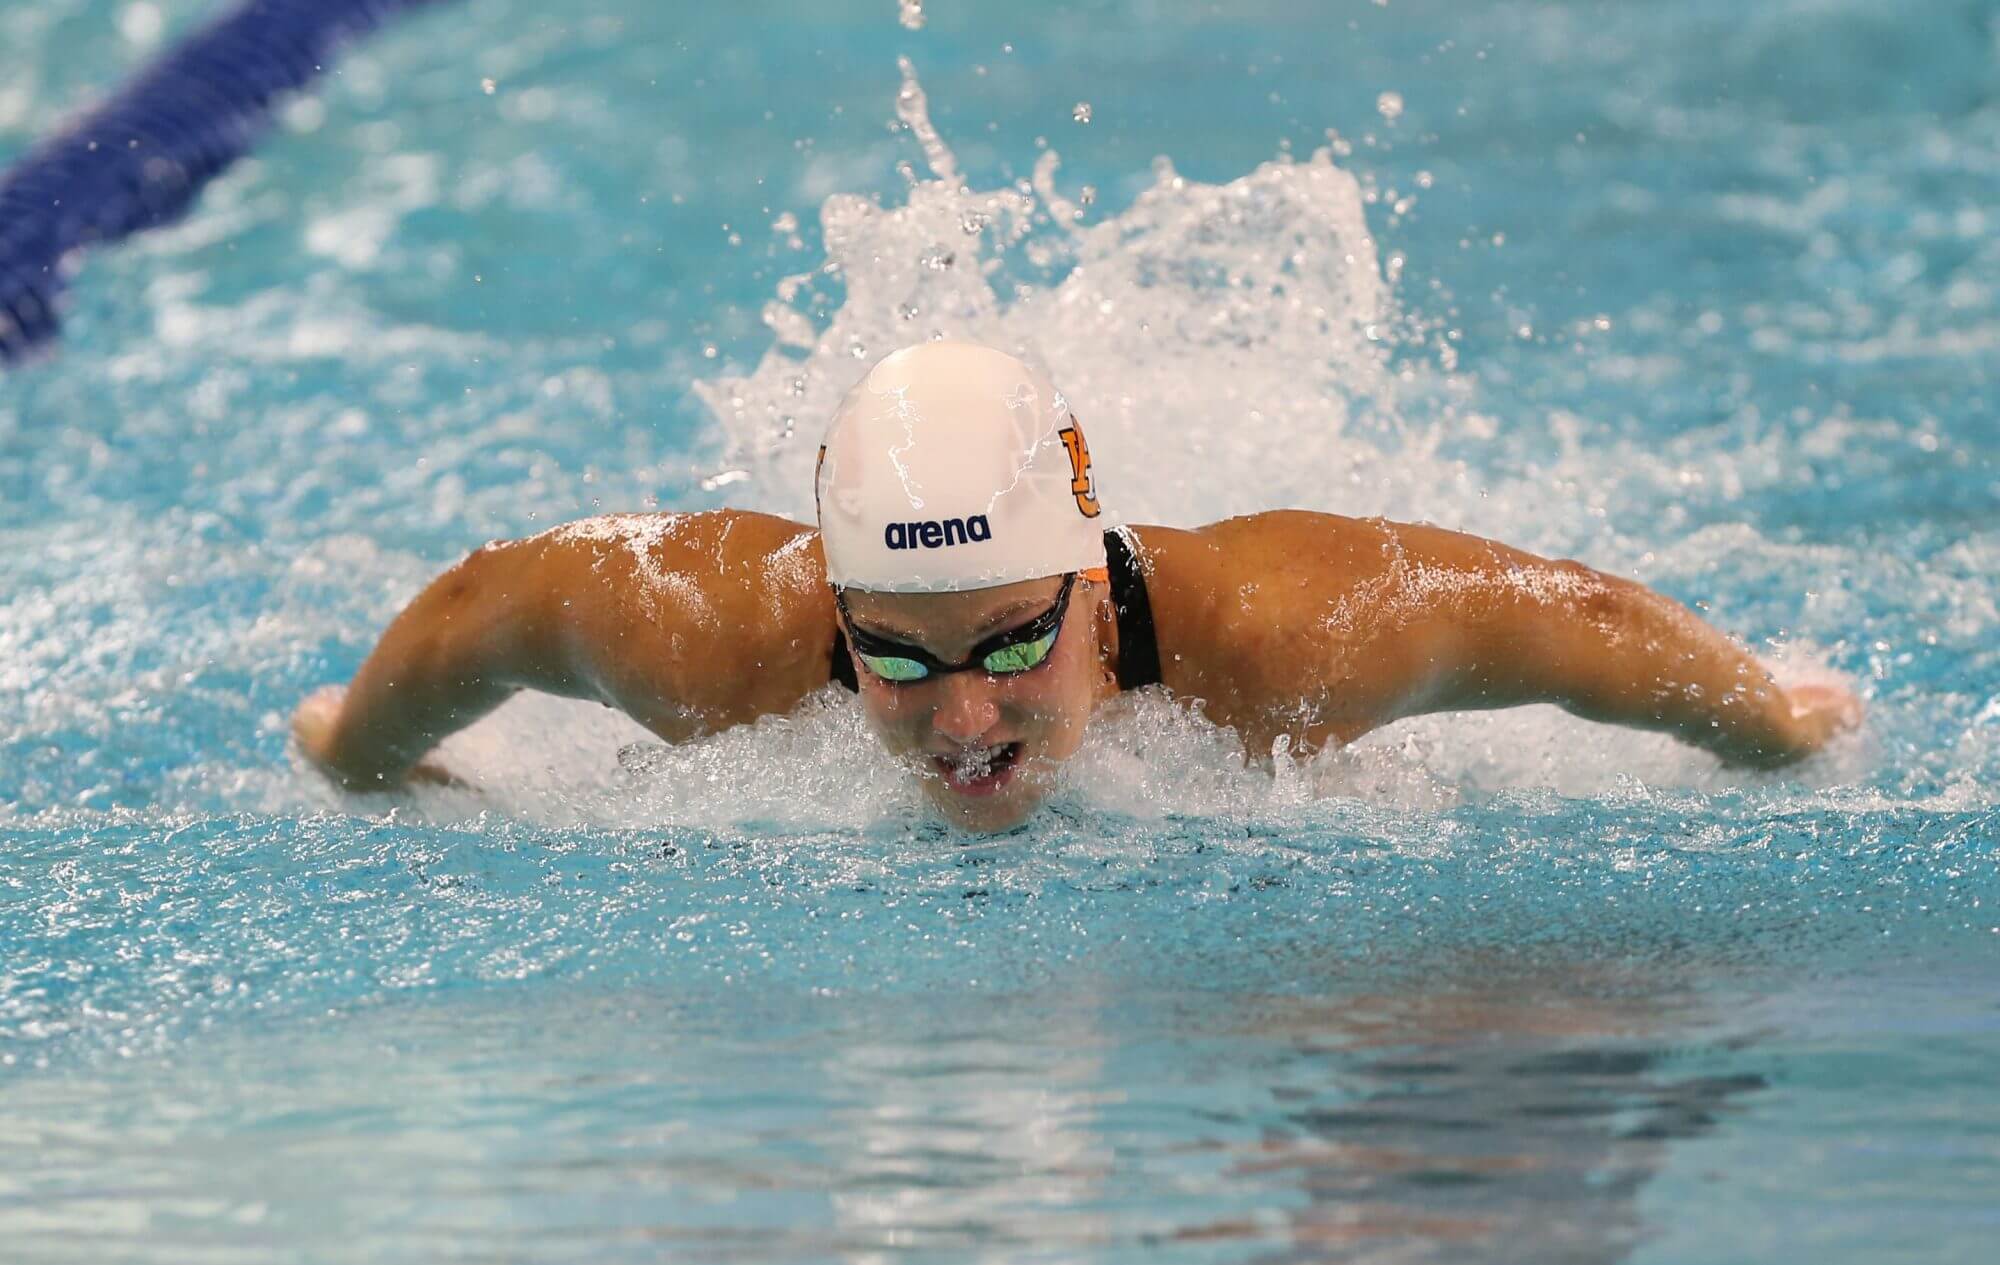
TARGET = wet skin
x,y
946,722
1310,627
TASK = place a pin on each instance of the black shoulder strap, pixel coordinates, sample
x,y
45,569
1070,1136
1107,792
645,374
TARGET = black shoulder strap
x,y
843,664
1138,644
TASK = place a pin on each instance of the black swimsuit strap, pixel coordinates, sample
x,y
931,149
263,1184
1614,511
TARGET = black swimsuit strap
x,y
1138,643
843,664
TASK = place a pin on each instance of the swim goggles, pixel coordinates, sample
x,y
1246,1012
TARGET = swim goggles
x,y
1008,653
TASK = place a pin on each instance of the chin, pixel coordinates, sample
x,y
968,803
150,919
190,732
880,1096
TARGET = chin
x,y
986,814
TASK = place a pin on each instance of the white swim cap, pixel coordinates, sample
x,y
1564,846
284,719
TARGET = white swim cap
x,y
953,466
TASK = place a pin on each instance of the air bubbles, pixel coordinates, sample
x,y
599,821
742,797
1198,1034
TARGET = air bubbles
x,y
911,14
1080,112
1389,105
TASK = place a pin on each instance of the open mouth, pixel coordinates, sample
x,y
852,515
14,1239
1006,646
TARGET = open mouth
x,y
978,770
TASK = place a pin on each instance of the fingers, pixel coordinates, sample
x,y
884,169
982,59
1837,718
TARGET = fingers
x,y
1823,709
314,719
1834,701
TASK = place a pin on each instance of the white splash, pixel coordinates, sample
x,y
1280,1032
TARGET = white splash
x,y
1221,338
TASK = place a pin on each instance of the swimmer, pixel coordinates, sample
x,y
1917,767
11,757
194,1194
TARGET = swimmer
x,y
963,582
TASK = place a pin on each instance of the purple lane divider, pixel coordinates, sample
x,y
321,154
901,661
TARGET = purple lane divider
x,y
141,158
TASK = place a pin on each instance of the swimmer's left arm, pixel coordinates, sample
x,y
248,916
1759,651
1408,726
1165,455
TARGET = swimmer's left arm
x,y
1505,627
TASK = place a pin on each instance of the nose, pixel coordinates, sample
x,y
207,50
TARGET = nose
x,y
966,708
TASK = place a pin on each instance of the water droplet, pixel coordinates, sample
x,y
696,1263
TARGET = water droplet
x,y
141,23
1080,112
1390,105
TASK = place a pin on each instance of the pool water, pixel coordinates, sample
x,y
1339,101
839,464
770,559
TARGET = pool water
x,y
1705,294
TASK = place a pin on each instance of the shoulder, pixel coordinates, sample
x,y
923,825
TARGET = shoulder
x,y
1238,555
1263,615
722,541
1323,551
726,612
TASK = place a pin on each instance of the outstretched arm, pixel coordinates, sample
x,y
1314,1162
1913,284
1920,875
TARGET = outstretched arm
x,y
1612,650
1523,629
473,637
688,623
1334,626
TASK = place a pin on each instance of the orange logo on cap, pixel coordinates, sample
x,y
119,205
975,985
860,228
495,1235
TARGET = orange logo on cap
x,y
1080,483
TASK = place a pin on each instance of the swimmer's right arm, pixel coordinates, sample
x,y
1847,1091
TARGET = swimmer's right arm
x,y
472,638
687,623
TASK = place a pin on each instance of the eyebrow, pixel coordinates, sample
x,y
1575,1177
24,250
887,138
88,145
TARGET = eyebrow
x,y
992,625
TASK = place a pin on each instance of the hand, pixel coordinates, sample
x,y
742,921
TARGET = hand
x,y
313,727
314,724
1820,710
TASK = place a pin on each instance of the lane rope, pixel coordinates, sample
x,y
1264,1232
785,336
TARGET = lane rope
x,y
141,159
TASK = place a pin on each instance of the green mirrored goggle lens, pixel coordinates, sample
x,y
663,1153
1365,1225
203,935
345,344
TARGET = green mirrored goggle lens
x,y
891,668
1002,662
1021,656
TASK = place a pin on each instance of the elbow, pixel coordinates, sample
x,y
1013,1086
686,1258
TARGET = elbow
x,y
1603,602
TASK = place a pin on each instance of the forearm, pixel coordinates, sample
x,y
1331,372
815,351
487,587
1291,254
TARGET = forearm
x,y
462,647
1627,655
393,713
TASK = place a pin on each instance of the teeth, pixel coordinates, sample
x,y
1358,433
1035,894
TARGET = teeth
x,y
968,765
971,764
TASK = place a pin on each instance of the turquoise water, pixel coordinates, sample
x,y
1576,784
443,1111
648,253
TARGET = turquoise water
x,y
1706,294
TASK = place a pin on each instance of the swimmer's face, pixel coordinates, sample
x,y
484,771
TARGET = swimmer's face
x,y
986,745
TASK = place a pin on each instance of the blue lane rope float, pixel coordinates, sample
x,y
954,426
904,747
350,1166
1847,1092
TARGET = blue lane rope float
x,y
140,159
